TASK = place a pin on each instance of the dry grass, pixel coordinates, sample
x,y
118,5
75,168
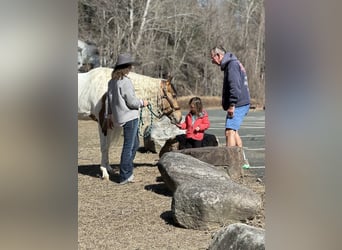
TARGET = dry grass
x,y
132,216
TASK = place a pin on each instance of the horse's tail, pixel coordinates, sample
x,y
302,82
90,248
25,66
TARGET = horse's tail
x,y
102,120
93,117
102,110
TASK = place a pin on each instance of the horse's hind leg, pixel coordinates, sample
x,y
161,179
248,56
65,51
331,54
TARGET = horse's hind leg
x,y
105,145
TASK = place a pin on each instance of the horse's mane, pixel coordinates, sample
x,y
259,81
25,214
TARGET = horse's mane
x,y
145,87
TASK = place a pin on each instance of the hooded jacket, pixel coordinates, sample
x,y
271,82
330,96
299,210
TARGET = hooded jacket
x,y
235,85
202,121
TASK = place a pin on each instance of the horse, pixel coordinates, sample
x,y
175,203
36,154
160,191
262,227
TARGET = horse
x,y
92,98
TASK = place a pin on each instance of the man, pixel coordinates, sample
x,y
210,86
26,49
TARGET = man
x,y
235,95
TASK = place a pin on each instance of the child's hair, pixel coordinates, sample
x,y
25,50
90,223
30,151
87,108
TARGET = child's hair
x,y
196,101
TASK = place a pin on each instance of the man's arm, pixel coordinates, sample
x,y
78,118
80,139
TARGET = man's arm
x,y
234,79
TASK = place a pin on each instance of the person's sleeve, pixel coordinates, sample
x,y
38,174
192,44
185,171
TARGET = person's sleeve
x,y
128,94
205,122
234,79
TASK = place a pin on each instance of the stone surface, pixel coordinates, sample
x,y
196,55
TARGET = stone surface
x,y
230,159
157,133
204,196
238,236
179,141
209,203
176,169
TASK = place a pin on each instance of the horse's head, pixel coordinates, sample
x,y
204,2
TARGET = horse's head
x,y
168,104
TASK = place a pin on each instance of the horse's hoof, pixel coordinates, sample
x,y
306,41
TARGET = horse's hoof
x,y
110,171
105,175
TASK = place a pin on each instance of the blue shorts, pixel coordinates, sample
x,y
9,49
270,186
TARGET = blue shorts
x,y
239,114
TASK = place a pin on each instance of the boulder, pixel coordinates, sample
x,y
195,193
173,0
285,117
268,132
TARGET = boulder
x,y
179,141
176,169
158,132
210,203
238,236
230,159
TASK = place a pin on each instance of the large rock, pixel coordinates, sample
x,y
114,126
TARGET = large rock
x,y
230,159
238,236
176,169
208,203
171,144
209,140
156,134
179,141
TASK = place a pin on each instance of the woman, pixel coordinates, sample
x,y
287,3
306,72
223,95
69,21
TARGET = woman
x,y
123,110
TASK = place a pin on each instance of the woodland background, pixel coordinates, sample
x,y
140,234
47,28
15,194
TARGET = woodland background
x,y
175,37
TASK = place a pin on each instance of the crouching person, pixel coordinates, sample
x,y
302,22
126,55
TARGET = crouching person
x,y
196,122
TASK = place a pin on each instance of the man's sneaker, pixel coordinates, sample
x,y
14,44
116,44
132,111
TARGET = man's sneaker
x,y
245,165
245,162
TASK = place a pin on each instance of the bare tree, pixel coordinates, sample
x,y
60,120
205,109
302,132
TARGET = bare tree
x,y
175,36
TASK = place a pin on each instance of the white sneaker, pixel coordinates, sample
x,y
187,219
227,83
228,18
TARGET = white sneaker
x,y
129,180
124,182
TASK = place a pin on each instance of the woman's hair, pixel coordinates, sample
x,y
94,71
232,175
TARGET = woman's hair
x,y
119,72
196,101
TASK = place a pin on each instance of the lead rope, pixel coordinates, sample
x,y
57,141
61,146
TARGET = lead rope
x,y
141,121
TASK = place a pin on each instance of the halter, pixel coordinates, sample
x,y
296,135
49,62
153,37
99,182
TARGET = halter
x,y
163,95
162,111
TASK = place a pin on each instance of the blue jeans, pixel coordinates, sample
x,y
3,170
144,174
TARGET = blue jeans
x,y
129,148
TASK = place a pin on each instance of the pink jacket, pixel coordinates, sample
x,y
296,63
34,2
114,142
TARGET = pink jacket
x,y
202,122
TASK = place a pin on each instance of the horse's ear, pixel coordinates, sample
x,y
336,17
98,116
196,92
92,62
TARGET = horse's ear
x,y
169,77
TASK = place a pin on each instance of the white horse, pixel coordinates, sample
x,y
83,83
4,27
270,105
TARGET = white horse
x,y
92,88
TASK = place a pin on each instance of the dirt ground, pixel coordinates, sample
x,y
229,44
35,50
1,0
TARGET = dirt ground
x,y
136,215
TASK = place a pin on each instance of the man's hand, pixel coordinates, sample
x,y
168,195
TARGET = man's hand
x,y
230,111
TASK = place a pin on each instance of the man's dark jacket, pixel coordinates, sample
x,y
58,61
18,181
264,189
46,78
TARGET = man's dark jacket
x,y
235,85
